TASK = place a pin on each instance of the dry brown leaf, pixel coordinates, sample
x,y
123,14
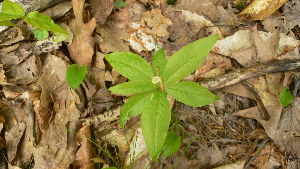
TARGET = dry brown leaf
x,y
290,13
287,136
239,90
13,167
266,49
259,9
85,152
156,24
82,46
267,157
12,36
120,138
236,165
26,72
15,54
147,32
13,137
101,9
101,101
180,33
57,146
213,66
249,48
204,7
3,79
43,115
271,104
53,76
135,11
112,40
58,10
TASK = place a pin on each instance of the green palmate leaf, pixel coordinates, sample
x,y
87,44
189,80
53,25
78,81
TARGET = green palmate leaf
x,y
187,59
120,3
43,22
159,62
130,65
40,34
133,87
172,144
156,117
286,97
13,8
75,75
191,93
133,106
6,23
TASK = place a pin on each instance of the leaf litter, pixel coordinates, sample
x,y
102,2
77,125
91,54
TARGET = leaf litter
x,y
46,124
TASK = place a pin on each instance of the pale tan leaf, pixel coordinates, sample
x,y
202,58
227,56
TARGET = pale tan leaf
x,y
259,9
13,137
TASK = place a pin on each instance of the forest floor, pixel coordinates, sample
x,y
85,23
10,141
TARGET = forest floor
x,y
46,124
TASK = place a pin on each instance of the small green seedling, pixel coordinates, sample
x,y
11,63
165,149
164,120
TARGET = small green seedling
x,y
240,5
119,3
41,23
171,2
40,34
150,86
75,75
286,97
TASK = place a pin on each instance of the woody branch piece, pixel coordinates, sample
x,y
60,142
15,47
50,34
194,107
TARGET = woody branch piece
x,y
254,71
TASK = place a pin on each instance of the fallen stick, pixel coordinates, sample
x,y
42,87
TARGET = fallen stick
x,y
240,75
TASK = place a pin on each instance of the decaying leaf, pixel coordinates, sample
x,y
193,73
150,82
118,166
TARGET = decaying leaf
x,y
265,49
53,76
15,54
120,138
82,46
259,9
101,9
3,79
26,72
271,104
85,152
287,136
290,14
13,137
58,10
236,165
212,66
12,36
57,146
204,7
152,26
113,40
199,23
248,47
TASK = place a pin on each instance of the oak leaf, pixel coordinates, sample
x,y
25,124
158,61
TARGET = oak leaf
x,y
82,46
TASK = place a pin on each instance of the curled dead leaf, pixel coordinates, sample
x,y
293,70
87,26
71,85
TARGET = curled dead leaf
x,y
259,9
